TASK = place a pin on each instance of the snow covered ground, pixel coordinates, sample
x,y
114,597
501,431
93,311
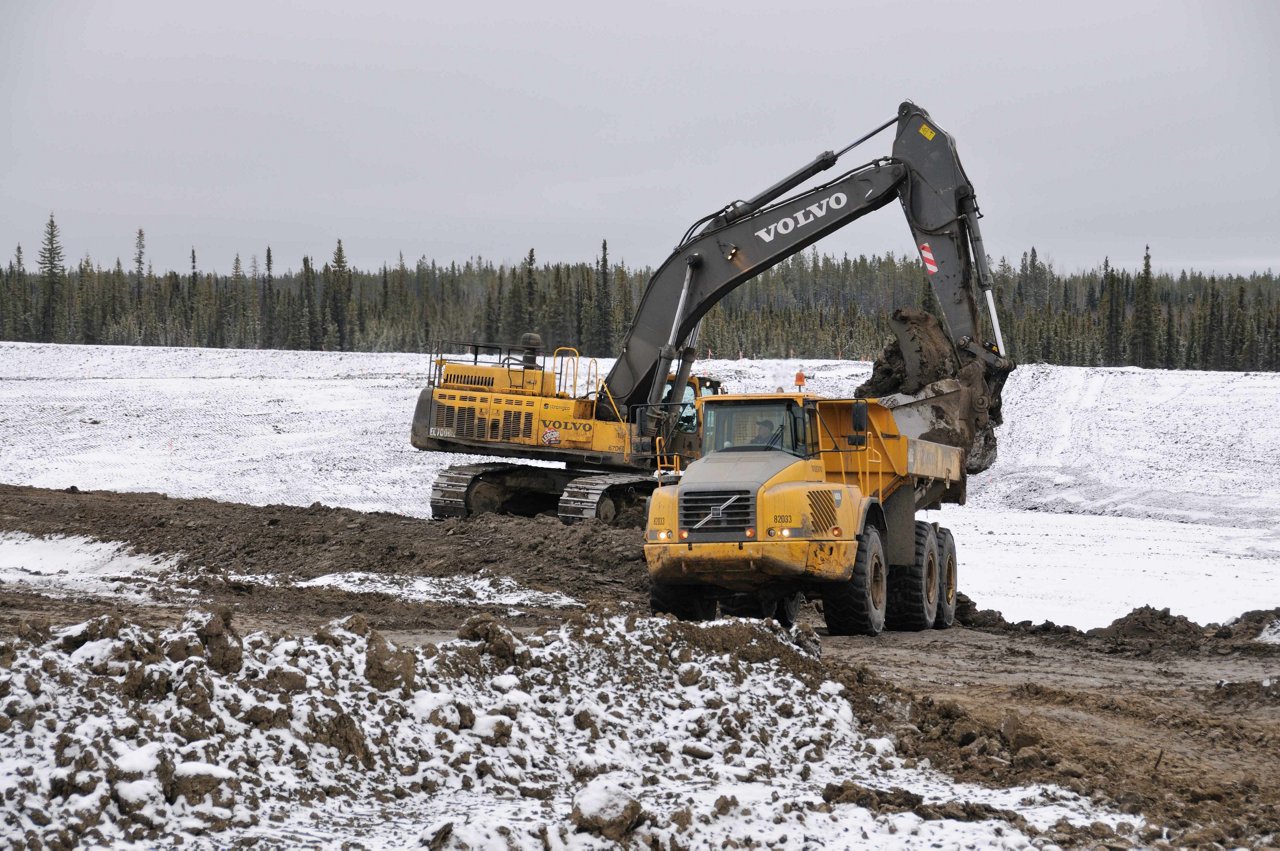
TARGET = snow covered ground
x,y
1114,487
67,566
491,741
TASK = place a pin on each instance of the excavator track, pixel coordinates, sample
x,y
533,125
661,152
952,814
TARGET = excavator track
x,y
602,497
453,485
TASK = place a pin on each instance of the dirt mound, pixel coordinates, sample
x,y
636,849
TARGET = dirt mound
x,y
1263,694
1149,629
220,543
610,724
1259,624
968,614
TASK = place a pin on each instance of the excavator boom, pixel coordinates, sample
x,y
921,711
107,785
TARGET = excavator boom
x,y
924,175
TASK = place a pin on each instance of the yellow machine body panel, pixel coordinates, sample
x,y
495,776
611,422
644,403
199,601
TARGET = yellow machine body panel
x,y
803,532
499,379
519,419
523,410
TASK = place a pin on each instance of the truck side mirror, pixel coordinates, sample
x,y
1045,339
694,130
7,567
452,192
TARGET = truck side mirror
x,y
857,440
860,416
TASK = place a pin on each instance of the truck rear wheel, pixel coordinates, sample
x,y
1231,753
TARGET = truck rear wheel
x,y
857,607
685,602
913,588
946,580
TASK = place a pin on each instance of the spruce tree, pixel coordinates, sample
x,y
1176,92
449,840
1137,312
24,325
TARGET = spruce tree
x,y
270,333
530,290
338,288
1113,321
602,330
1171,356
51,282
1143,351
139,265
314,334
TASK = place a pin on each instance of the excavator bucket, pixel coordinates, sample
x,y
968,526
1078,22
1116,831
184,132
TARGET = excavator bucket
x,y
935,398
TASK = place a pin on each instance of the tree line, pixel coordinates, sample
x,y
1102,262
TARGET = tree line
x,y
811,305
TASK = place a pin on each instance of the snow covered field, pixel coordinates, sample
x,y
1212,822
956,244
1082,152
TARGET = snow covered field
x,y
1114,487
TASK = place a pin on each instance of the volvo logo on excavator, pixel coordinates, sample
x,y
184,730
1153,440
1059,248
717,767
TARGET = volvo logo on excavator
x,y
567,425
807,216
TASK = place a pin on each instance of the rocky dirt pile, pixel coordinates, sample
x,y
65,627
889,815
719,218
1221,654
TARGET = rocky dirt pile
x,y
610,725
218,543
1144,632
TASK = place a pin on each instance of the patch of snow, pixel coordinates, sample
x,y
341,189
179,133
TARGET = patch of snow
x,y
1086,571
195,769
506,682
461,590
138,791
1271,633
141,760
73,565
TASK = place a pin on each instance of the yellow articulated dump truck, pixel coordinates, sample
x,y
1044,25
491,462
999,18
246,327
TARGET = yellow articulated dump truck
x,y
796,497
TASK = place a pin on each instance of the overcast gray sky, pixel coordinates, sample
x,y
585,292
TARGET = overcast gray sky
x,y
462,129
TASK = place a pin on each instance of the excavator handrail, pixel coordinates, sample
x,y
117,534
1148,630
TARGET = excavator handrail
x,y
555,357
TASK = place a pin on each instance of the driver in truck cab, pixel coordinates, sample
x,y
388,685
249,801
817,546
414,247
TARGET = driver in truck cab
x,y
764,431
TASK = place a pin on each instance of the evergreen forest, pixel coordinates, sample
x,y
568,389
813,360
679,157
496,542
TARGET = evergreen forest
x,y
812,305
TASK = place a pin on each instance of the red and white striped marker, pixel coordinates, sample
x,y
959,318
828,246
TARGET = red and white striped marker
x,y
927,256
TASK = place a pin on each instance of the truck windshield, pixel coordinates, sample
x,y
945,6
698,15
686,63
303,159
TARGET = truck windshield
x,y
754,426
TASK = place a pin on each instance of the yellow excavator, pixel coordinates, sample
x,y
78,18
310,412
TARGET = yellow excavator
x,y
621,435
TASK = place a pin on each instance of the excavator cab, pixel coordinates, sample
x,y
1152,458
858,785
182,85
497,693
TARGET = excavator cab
x,y
686,408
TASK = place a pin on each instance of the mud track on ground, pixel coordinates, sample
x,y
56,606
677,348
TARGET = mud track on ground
x,y
1154,715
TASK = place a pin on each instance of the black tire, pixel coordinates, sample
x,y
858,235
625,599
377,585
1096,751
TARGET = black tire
x,y
787,609
685,602
913,588
857,607
947,576
784,610
742,606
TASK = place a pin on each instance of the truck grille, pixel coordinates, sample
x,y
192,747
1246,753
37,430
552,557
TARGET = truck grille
x,y
717,511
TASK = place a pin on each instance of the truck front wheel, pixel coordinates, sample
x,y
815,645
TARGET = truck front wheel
x,y
856,607
685,602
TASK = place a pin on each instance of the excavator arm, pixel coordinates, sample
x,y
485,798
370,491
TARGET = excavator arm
x,y
726,250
